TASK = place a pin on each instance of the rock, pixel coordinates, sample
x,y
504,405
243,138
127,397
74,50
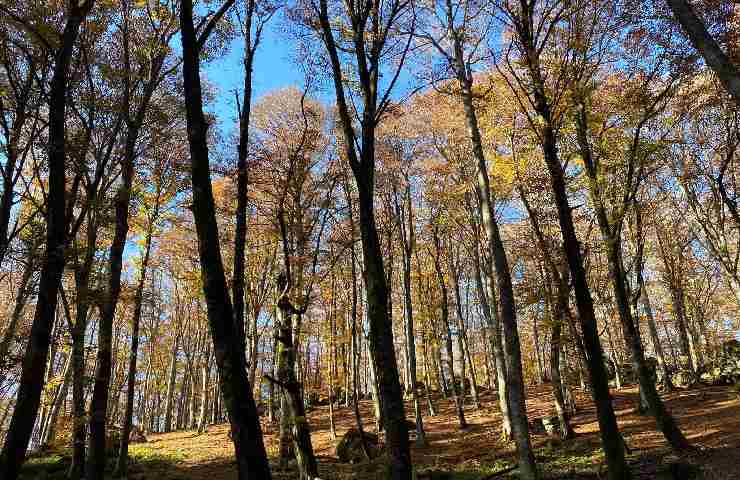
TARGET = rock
x,y
349,448
683,362
731,348
551,425
137,436
684,379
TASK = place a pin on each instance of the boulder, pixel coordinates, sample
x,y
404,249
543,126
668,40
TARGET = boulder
x,y
724,368
684,379
551,425
349,448
548,425
137,435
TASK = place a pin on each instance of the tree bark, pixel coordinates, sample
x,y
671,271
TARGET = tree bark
x,y
515,380
48,434
707,46
445,316
205,389
363,169
295,412
487,299
122,463
654,338
34,361
406,227
246,431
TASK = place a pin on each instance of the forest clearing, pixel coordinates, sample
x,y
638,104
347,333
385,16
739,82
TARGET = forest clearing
x,y
391,239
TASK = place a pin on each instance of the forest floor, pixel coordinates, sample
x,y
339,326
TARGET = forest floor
x,y
709,416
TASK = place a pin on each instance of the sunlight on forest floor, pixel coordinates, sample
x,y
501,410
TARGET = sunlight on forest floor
x,y
710,417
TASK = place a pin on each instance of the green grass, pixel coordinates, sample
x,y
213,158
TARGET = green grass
x,y
53,465
50,465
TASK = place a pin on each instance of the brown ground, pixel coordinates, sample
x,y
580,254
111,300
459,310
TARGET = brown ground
x,y
709,416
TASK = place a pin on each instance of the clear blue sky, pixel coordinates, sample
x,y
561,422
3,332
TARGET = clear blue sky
x,y
274,67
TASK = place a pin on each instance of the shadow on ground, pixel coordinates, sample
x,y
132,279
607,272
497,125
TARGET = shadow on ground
x,y
710,418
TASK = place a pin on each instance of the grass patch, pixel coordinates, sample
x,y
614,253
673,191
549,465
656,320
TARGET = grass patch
x,y
50,465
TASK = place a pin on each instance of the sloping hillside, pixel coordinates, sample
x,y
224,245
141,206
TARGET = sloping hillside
x,y
709,416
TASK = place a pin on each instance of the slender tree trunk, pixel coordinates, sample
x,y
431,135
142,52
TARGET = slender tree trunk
x,y
537,353
555,310
611,439
455,278
445,316
515,394
473,377
34,361
295,411
20,302
427,378
487,299
703,42
408,239
205,388
355,347
654,338
612,240
170,398
122,463
246,431
242,185
679,314
48,434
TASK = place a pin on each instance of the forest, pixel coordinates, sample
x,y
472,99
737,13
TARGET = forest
x,y
462,239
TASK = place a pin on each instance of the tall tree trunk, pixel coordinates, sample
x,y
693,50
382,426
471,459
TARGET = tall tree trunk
x,y
405,221
455,278
363,169
205,388
707,46
515,380
295,411
122,463
611,235
355,348
468,354
679,315
77,332
555,310
170,398
242,185
34,361
246,431
611,439
48,434
654,338
20,302
537,353
445,316
487,300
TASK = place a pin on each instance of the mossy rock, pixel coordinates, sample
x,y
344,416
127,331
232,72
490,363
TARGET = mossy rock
x,y
349,448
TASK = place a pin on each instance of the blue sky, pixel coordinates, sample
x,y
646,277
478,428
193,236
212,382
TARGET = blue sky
x,y
274,68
